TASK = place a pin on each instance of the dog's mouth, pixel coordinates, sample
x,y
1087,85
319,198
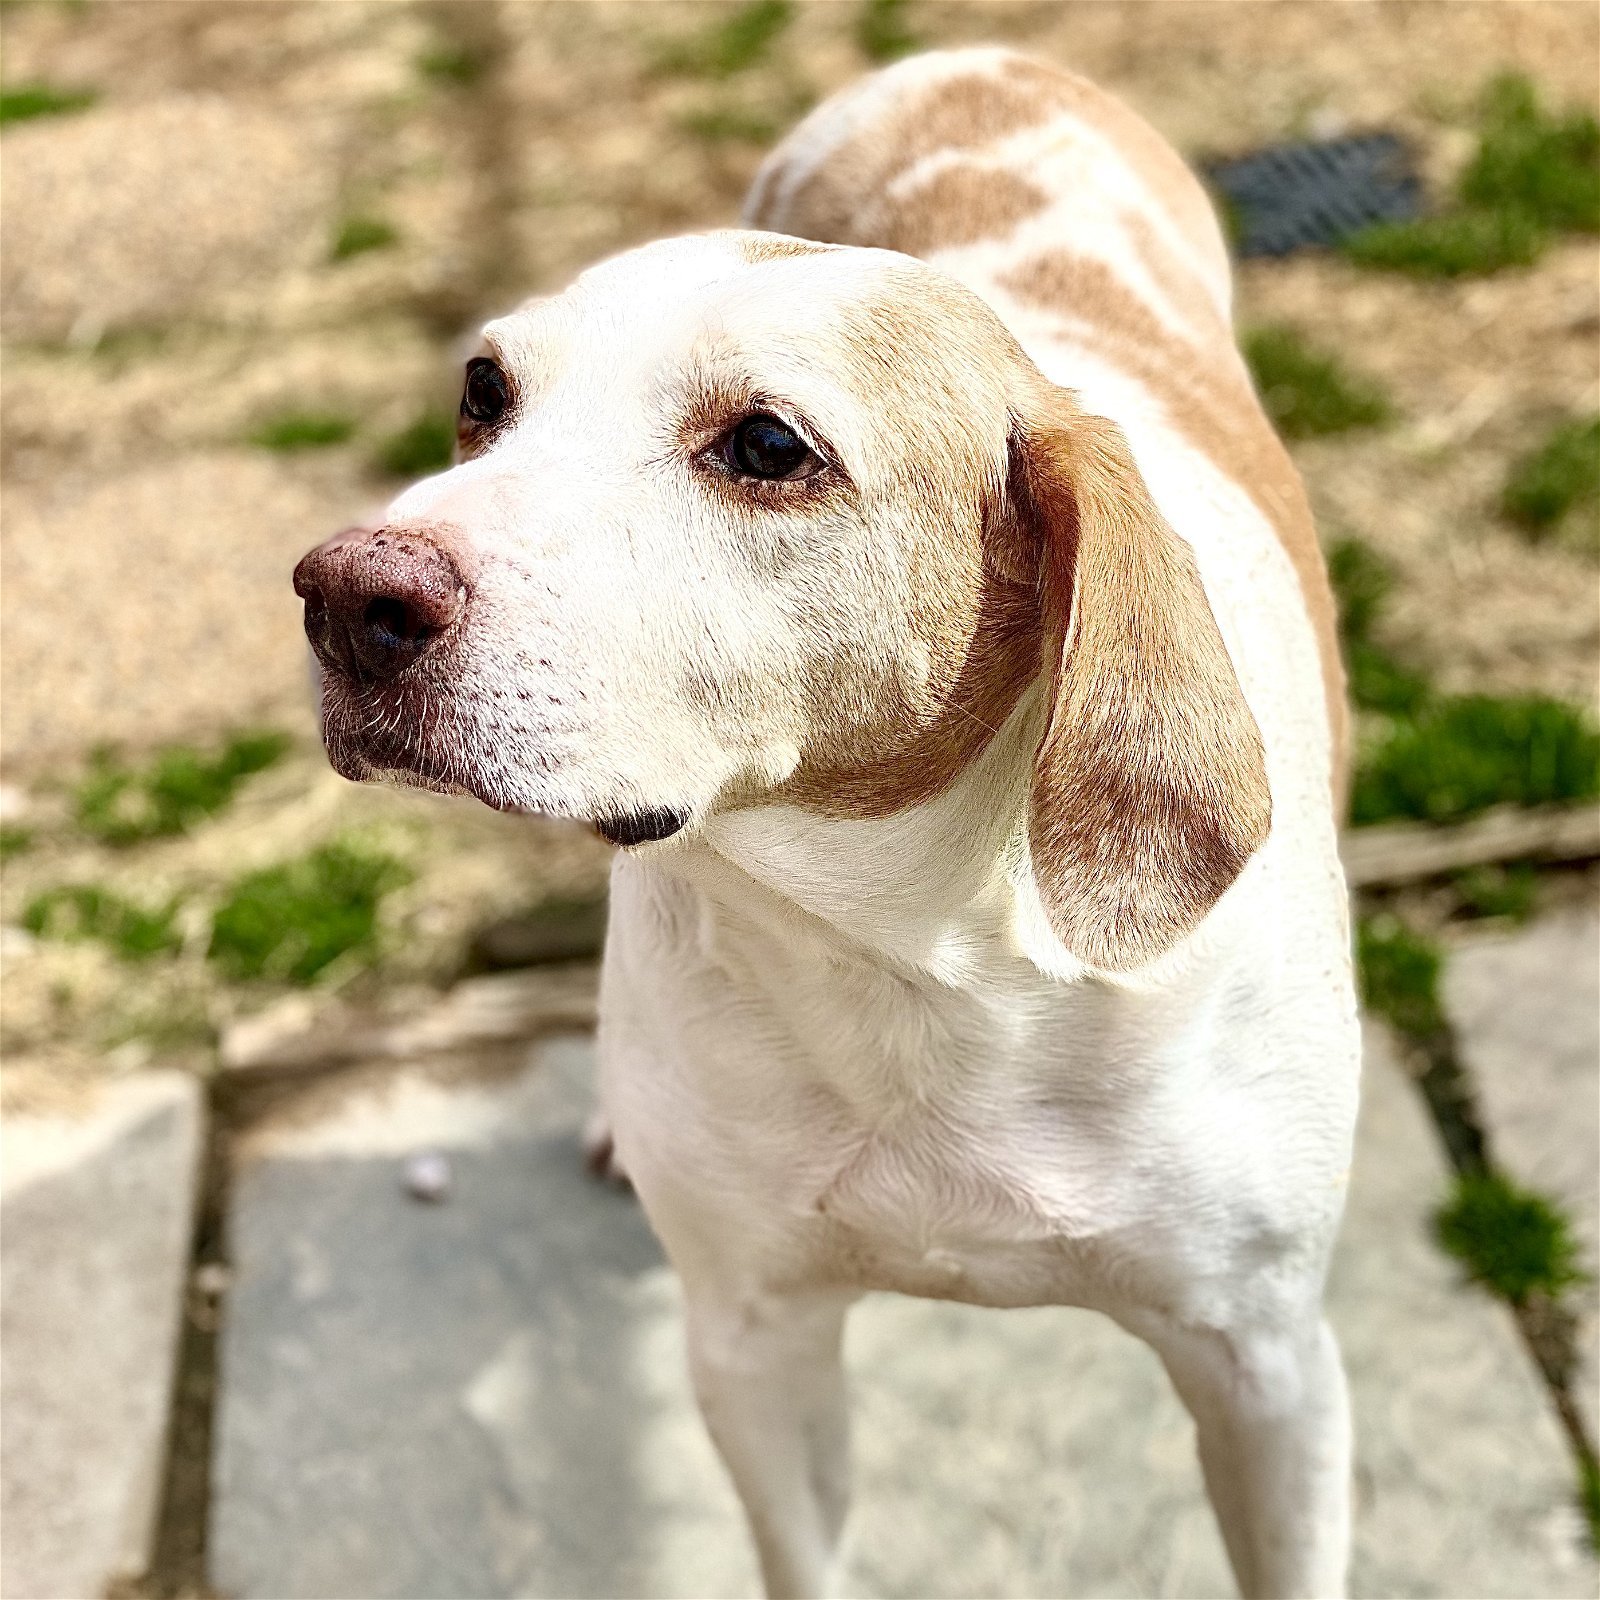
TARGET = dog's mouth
x,y
407,731
415,735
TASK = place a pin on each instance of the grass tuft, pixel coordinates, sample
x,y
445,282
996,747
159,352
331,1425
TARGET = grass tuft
x,y
1461,754
1442,758
304,430
1533,174
1589,1498
1508,889
424,446
1307,393
1547,167
1378,680
122,805
742,38
24,101
1399,975
1559,478
358,234
88,911
1514,1242
455,64
290,922
881,30
1457,244
723,124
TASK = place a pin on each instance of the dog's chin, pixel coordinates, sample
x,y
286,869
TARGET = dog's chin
x,y
402,739
368,749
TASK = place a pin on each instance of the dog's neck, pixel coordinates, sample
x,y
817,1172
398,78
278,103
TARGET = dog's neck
x,y
942,889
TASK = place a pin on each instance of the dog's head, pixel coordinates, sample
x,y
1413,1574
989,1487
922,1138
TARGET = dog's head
x,y
741,519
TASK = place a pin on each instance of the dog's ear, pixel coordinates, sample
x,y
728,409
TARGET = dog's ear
x,y
1149,787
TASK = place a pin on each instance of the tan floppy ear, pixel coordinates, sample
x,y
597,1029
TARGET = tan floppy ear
x,y
1150,785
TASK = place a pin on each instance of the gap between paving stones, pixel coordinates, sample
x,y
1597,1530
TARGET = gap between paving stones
x,y
1548,1328
179,1551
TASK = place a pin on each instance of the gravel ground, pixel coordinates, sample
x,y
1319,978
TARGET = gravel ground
x,y
170,286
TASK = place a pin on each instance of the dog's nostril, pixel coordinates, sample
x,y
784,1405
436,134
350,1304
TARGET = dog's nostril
x,y
393,617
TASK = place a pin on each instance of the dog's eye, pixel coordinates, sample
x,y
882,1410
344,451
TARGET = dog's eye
x,y
763,447
486,395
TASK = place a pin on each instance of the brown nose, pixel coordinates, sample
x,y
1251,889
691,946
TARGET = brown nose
x,y
378,598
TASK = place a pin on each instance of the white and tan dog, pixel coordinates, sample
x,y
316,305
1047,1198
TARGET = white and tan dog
x,y
946,641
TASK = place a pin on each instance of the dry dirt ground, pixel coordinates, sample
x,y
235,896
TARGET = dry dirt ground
x,y
169,287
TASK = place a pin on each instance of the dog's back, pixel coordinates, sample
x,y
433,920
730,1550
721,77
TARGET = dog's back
x,y
1086,232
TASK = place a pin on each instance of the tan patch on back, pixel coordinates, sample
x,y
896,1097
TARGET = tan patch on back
x,y
965,113
958,205
1164,171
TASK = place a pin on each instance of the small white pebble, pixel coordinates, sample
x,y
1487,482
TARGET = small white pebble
x,y
1327,122
211,1279
427,1176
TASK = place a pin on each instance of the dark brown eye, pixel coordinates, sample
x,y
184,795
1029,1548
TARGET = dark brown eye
x,y
487,394
763,447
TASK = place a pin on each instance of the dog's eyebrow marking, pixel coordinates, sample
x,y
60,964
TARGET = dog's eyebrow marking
x,y
755,248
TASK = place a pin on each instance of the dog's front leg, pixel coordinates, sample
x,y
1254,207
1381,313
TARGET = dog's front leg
x,y
768,1372
1273,1420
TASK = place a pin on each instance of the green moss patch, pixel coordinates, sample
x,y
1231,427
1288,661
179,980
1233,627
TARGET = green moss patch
x,y
1460,754
729,124
1509,889
304,430
882,31
1378,680
22,102
1306,392
88,911
1398,969
290,922
1557,481
742,38
1534,174
423,446
356,235
1438,758
123,805
1545,165
453,64
1514,1242
1455,245
14,840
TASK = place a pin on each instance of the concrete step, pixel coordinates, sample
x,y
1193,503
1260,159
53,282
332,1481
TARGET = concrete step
x,y
97,1209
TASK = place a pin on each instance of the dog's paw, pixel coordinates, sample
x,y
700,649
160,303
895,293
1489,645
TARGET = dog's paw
x,y
600,1151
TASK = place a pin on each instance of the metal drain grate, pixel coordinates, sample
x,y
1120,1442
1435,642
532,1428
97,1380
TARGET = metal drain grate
x,y
1289,196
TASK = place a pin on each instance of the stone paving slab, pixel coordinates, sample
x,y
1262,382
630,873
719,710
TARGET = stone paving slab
x,y
485,1397
96,1214
1527,1007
